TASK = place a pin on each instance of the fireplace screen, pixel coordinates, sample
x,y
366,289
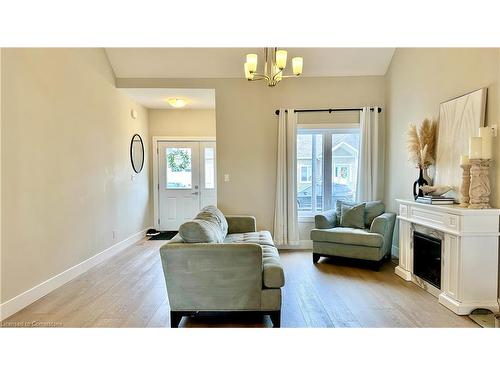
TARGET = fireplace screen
x,y
427,258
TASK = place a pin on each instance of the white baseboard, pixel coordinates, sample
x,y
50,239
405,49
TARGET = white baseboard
x,y
303,245
26,298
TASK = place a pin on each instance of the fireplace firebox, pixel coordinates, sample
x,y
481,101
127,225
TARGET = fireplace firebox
x,y
427,258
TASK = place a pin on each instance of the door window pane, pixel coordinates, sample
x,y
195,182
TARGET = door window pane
x,y
178,168
209,168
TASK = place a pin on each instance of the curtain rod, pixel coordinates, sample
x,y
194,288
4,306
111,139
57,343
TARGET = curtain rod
x,y
329,110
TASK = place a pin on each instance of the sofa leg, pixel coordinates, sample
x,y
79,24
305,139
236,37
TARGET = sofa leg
x,y
276,318
175,319
377,264
316,258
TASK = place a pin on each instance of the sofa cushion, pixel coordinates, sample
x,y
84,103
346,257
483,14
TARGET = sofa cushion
x,y
348,236
272,270
209,225
372,210
352,216
262,238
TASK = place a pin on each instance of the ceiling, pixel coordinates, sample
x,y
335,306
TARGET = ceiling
x,y
156,98
228,62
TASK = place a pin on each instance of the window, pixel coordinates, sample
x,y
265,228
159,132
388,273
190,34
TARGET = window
x,y
178,168
332,153
305,173
209,168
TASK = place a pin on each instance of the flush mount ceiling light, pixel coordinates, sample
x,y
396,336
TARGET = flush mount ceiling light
x,y
274,65
176,102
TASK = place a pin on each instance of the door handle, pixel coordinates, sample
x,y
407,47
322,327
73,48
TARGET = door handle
x,y
195,193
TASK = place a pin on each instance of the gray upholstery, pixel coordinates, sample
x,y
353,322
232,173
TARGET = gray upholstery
x,y
241,224
209,225
348,251
352,216
211,277
371,243
273,275
349,236
372,210
243,272
325,220
262,238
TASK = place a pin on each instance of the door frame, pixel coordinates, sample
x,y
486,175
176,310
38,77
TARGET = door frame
x,y
156,182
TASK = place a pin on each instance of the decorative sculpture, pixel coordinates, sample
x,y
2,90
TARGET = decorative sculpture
x,y
435,190
479,190
465,186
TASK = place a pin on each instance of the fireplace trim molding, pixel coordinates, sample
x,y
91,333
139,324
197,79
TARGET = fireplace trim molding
x,y
469,268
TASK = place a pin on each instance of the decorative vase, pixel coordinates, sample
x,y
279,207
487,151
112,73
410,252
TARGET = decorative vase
x,y
418,183
426,176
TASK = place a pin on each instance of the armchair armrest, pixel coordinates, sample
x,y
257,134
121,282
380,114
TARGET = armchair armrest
x,y
241,224
325,220
384,225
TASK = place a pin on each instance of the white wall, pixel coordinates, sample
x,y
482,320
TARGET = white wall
x,y
66,172
182,122
417,81
247,129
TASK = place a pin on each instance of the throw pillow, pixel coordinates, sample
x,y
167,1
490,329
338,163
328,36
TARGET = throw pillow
x,y
372,210
353,216
210,225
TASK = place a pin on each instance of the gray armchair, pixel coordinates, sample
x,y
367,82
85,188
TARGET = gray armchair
x,y
373,243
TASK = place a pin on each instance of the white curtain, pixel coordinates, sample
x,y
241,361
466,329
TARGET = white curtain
x,y
371,157
285,209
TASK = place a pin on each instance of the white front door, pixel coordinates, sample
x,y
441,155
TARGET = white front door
x,y
186,181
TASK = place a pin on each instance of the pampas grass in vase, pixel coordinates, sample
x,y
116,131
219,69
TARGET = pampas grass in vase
x,y
421,146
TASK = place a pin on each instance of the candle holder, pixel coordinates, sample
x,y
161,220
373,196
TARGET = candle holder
x,y
479,190
464,188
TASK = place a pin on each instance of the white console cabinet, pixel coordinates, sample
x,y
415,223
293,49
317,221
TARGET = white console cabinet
x,y
469,253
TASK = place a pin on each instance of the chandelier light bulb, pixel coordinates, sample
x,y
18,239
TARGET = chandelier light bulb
x,y
252,62
248,75
297,65
281,55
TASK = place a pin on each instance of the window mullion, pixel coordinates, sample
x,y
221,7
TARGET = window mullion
x,y
327,170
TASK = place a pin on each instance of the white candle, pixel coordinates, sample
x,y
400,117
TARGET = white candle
x,y
485,134
475,147
464,160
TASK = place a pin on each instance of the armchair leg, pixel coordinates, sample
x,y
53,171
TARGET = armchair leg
x,y
316,258
175,319
276,318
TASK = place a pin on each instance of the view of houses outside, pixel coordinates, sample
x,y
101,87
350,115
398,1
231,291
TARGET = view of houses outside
x,y
345,148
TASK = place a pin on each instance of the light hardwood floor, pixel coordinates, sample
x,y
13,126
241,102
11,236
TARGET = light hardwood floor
x,y
129,291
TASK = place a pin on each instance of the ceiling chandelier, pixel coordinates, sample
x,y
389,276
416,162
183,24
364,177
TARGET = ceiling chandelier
x,y
274,65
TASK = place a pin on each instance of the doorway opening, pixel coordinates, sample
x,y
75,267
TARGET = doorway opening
x,y
182,147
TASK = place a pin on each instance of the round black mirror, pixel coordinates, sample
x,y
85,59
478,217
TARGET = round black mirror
x,y
137,153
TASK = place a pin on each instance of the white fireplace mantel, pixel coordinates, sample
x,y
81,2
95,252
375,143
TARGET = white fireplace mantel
x,y
469,254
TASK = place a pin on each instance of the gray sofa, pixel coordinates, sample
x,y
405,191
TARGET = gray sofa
x,y
233,268
373,243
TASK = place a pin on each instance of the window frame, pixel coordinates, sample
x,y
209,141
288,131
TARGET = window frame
x,y
326,131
